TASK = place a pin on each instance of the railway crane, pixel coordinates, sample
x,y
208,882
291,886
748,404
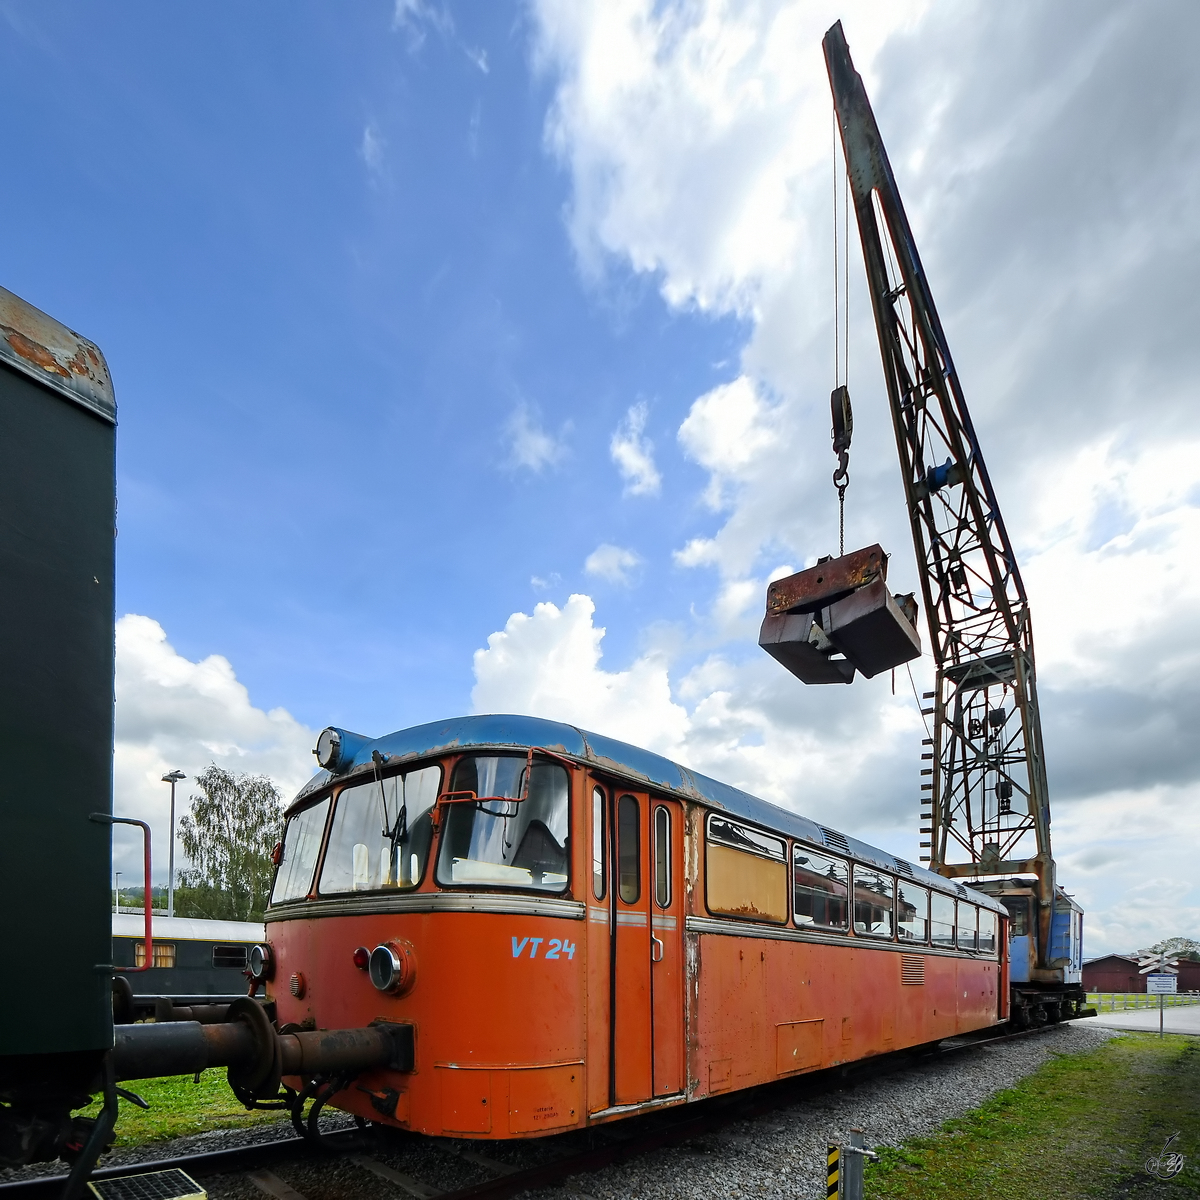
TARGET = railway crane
x,y
986,808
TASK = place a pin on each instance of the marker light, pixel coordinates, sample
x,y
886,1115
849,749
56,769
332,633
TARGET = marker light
x,y
362,958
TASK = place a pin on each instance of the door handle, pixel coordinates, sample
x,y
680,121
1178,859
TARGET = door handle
x,y
656,949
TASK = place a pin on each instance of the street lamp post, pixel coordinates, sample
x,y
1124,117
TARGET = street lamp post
x,y
172,777
117,889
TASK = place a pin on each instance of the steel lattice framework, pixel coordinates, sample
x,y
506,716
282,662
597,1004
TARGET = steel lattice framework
x,y
985,784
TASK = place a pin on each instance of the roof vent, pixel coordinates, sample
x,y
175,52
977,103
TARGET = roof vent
x,y
904,868
835,840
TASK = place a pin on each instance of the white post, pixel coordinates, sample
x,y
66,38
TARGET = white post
x,y
172,777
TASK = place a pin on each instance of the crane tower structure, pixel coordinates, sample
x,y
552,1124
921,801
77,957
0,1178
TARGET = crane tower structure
x,y
986,810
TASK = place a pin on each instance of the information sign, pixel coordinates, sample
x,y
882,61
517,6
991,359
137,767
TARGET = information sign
x,y
1161,985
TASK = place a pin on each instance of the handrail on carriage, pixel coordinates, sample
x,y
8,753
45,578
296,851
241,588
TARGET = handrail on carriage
x,y
466,796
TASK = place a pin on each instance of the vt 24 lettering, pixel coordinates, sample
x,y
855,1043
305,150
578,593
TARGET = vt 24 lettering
x,y
555,947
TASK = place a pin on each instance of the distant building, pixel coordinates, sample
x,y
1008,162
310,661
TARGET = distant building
x,y
1121,973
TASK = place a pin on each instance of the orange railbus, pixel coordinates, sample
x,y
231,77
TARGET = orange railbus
x,y
569,929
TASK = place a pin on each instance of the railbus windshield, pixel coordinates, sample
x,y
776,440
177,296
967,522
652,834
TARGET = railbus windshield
x,y
500,839
381,833
301,846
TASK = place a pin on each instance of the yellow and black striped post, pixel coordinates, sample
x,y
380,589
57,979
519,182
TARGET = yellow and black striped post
x,y
833,1171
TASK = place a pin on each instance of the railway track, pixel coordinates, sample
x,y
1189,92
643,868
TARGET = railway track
x,y
579,1152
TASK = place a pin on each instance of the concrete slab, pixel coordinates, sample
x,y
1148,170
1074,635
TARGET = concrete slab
x,y
1184,1018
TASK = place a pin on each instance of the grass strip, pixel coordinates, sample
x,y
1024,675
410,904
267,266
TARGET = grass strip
x,y
180,1105
1083,1125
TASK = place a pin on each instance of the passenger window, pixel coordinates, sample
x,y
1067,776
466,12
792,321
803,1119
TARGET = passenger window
x,y
912,911
873,893
301,846
662,857
233,957
941,920
629,850
506,837
987,931
968,925
381,833
163,954
598,843
745,872
820,886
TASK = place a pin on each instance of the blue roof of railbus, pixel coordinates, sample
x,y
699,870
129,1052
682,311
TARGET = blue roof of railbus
x,y
501,731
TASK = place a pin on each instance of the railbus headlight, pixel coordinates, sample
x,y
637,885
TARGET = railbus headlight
x,y
261,963
393,967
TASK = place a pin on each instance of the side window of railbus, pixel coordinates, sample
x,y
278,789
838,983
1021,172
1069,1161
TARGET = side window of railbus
x,y
968,925
662,857
381,833
629,850
745,872
987,932
505,837
873,895
820,885
301,846
912,911
941,920
599,833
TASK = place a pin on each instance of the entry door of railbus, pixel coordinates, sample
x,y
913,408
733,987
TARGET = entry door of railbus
x,y
646,947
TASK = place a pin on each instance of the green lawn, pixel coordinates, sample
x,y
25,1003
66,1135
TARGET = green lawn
x,y
179,1106
1081,1126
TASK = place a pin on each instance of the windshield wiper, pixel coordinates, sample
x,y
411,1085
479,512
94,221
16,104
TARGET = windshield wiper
x,y
398,834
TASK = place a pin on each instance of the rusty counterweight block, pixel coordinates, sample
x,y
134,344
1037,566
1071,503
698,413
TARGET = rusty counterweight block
x,y
837,617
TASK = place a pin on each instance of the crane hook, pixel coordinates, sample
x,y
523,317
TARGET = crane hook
x,y
842,432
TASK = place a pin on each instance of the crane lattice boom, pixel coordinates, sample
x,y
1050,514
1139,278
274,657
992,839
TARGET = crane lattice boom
x,y
988,810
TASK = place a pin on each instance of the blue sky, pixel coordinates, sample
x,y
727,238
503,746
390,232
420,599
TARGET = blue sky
x,y
318,351
475,357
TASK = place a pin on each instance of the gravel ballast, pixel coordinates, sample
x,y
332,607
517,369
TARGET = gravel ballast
x,y
782,1154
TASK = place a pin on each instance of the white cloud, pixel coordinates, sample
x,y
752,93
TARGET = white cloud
x,y
612,563
726,431
478,56
174,713
530,446
411,16
547,665
371,149
634,454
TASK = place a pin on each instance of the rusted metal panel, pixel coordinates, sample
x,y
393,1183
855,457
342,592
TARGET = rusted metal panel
x,y
871,631
818,586
46,350
787,638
